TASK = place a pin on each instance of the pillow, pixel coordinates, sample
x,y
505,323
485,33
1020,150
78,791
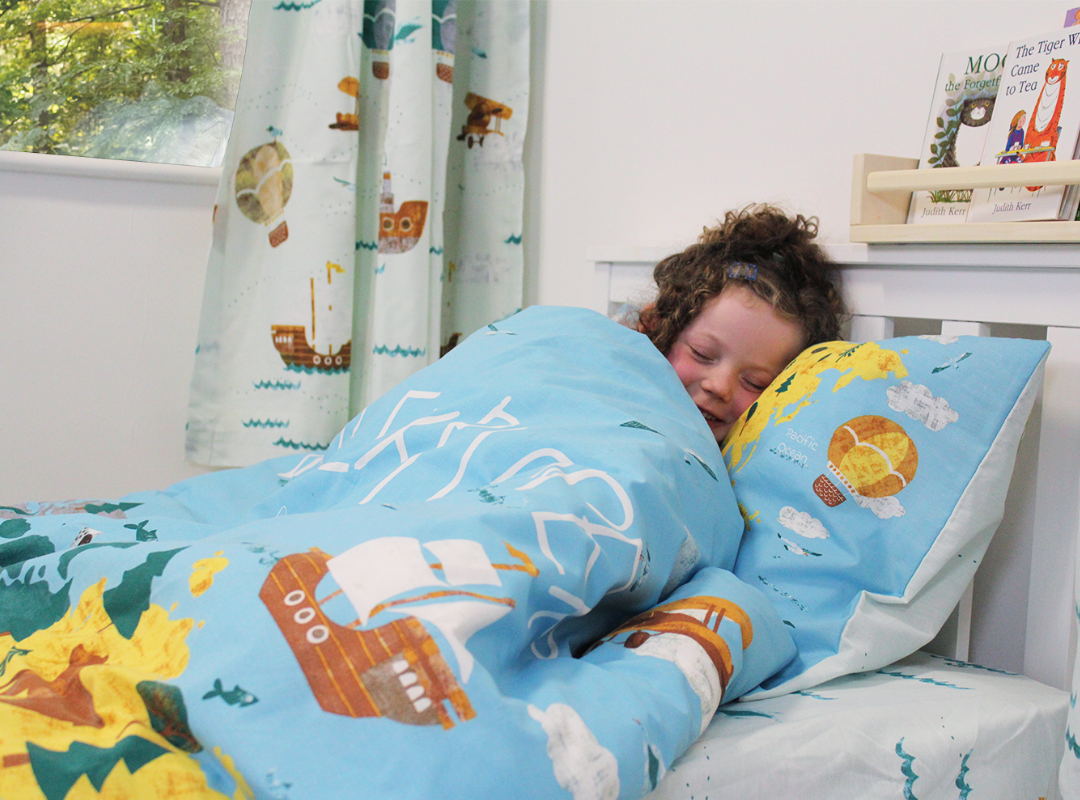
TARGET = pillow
x,y
871,478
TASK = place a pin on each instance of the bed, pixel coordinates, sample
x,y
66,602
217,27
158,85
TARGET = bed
x,y
981,710
528,571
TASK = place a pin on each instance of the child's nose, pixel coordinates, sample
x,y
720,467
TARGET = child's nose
x,y
717,383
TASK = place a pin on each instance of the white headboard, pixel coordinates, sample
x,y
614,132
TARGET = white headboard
x,y
1019,613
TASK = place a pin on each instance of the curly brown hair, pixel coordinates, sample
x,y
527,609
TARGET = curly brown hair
x,y
792,275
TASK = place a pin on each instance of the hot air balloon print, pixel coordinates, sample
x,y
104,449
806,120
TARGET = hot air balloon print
x,y
264,181
378,34
870,457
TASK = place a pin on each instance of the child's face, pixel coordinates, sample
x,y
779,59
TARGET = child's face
x,y
730,353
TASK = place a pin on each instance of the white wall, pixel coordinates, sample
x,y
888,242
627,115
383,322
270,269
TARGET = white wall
x,y
100,288
651,119
648,120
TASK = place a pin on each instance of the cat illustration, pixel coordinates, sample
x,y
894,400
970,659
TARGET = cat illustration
x,y
1043,129
965,149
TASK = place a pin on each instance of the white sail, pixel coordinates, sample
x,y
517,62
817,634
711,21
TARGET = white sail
x,y
464,562
457,620
376,570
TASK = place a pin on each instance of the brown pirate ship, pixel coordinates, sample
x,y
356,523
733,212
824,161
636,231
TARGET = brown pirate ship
x,y
698,618
395,669
296,351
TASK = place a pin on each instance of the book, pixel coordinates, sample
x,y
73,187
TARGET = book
x,y
1036,118
963,105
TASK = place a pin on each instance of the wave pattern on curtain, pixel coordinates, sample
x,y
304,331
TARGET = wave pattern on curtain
x,y
331,276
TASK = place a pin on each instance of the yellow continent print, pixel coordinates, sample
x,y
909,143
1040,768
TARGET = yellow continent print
x,y
794,390
85,711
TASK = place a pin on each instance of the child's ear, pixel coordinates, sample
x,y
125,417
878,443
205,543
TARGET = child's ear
x,y
647,320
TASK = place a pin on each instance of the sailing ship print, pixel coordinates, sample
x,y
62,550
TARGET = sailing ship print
x,y
394,669
298,353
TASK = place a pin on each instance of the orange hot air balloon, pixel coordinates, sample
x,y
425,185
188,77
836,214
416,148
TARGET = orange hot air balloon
x,y
870,456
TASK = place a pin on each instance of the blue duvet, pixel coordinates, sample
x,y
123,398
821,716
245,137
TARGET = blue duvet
x,y
507,577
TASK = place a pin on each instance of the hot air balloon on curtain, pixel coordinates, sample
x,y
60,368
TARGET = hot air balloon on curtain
x,y
869,456
264,181
378,34
444,37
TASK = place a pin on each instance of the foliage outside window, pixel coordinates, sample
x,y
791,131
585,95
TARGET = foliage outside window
x,y
141,81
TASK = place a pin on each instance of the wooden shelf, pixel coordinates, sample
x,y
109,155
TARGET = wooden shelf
x,y
881,188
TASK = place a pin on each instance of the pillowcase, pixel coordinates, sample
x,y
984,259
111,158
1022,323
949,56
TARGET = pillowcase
x,y
871,478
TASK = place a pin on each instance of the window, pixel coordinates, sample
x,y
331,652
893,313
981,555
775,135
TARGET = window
x,y
140,81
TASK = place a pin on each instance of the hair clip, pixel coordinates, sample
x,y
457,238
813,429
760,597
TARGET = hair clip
x,y
742,271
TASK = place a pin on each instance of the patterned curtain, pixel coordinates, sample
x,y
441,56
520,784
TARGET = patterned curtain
x,y
370,209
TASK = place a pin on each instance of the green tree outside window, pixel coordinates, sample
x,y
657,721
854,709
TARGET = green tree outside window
x,y
142,81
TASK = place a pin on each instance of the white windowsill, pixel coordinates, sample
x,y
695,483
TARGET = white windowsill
x,y
76,167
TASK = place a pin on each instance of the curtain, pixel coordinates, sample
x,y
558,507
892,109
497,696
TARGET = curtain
x,y
370,208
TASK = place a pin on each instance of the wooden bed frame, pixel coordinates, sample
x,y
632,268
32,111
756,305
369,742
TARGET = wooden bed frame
x,y
1018,615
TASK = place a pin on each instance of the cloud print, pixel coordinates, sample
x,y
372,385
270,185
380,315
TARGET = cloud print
x,y
941,339
802,523
919,403
884,507
583,766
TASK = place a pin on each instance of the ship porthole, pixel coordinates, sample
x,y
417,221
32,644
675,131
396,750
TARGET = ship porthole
x,y
295,597
304,615
337,360
318,634
317,359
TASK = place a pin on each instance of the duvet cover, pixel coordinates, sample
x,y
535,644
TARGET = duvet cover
x,y
507,577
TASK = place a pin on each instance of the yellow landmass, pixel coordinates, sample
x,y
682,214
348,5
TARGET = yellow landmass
x,y
794,390
243,789
105,691
202,578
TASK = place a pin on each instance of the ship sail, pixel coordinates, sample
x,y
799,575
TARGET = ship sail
x,y
375,571
464,561
457,621
379,569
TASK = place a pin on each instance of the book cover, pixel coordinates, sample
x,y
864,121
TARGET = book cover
x,y
963,105
1036,118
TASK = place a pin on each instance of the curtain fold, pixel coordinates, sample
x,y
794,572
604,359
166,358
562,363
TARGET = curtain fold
x,y
329,278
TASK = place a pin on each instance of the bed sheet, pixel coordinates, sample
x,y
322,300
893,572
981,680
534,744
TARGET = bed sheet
x,y
923,728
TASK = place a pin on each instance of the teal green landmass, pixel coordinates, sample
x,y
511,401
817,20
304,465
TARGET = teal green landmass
x,y
57,772
26,608
14,553
13,528
126,603
168,714
65,559
108,508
